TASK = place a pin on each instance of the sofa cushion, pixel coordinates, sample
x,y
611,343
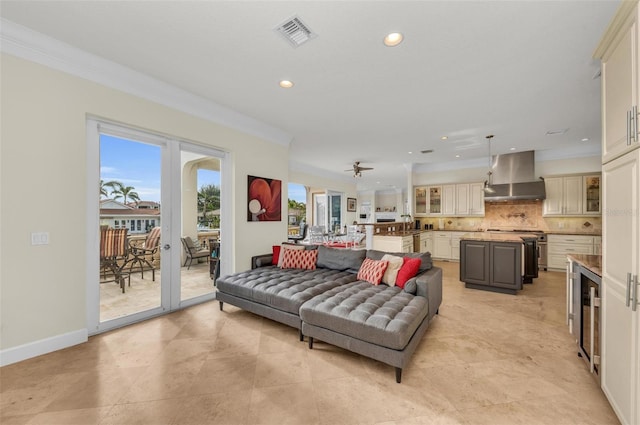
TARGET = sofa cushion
x,y
372,271
284,248
409,269
381,315
299,259
392,269
275,252
282,289
425,257
340,259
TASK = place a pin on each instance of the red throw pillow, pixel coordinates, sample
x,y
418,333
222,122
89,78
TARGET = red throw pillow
x,y
300,259
372,270
276,254
409,269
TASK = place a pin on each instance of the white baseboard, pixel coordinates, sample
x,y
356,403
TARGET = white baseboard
x,y
43,346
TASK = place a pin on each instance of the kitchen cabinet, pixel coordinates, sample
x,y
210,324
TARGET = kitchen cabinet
x,y
462,199
455,245
442,245
420,196
597,245
476,199
434,200
426,242
449,199
572,196
592,195
452,200
620,274
559,246
393,243
620,377
492,266
620,76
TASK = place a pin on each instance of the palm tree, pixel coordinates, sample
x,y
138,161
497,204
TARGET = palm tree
x,y
126,192
209,200
103,189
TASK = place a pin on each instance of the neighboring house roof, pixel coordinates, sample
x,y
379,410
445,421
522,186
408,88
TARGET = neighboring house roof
x,y
128,212
113,204
144,205
111,207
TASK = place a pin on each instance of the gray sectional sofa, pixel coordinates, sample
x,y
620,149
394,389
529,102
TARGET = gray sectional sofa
x,y
329,303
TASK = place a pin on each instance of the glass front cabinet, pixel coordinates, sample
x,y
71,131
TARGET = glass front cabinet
x,y
428,200
591,199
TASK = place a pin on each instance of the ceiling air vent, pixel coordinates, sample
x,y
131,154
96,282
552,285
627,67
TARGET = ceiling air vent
x,y
427,151
295,31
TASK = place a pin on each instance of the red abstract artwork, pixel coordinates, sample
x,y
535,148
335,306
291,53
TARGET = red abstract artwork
x,y
264,199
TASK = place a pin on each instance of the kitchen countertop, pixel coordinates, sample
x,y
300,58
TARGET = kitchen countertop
x,y
496,237
572,232
401,233
589,262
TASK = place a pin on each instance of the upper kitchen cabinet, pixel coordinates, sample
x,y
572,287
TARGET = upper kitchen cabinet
x,y
453,200
572,196
619,53
421,201
476,199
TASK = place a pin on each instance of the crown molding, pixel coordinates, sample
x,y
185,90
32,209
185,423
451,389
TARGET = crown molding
x,y
621,20
33,46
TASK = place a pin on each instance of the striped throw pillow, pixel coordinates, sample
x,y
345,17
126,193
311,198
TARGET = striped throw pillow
x,y
372,271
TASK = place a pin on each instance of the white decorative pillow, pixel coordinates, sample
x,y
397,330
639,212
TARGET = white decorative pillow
x,y
285,247
392,269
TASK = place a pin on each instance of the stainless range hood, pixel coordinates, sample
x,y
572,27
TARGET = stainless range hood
x,y
512,178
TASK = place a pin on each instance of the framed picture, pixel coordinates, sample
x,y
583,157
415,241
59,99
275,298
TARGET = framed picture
x,y
351,204
264,199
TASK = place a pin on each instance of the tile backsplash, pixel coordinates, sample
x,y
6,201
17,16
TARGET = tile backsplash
x,y
525,215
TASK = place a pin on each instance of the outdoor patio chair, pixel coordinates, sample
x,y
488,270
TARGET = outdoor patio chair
x,y
142,254
192,251
316,234
301,235
113,254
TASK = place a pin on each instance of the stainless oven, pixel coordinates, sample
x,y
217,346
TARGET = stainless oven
x,y
542,252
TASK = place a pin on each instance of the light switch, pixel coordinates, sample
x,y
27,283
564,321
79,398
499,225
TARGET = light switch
x,y
40,238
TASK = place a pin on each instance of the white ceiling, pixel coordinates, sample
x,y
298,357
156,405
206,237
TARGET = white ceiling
x,y
516,69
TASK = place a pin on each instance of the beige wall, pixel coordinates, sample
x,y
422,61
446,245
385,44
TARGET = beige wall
x,y
43,177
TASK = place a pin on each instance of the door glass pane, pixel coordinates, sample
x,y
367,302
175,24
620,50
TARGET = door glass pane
x,y
320,209
130,278
200,234
335,212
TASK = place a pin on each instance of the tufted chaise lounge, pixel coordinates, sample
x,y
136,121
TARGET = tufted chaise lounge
x,y
330,304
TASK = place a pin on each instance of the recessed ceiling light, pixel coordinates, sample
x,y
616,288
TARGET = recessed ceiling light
x,y
457,156
286,84
444,137
410,152
585,139
393,39
512,149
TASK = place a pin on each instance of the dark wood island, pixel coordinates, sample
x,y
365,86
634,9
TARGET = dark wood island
x,y
492,262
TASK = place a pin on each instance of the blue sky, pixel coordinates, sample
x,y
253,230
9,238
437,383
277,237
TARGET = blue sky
x,y
137,164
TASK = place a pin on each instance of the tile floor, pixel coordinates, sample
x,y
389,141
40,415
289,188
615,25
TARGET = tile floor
x,y
486,359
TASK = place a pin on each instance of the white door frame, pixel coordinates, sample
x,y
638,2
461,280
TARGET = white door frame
x,y
170,223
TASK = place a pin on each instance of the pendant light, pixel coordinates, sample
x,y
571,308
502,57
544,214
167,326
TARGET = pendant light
x,y
487,183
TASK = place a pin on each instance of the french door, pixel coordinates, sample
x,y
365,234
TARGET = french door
x,y
327,208
165,195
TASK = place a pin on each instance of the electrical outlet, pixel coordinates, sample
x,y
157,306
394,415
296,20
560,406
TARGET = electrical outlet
x,y
40,238
560,225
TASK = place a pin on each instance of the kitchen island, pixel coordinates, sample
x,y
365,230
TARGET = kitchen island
x,y
493,261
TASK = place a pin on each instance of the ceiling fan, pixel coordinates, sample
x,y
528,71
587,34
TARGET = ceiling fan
x,y
357,169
